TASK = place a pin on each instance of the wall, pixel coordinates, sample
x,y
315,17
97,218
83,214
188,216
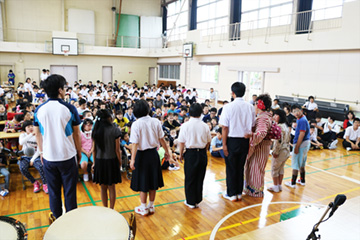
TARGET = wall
x,y
141,7
89,67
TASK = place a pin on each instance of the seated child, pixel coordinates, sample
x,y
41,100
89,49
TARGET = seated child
x,y
352,136
120,120
3,113
315,144
172,164
331,129
125,142
13,126
216,146
86,147
4,190
32,156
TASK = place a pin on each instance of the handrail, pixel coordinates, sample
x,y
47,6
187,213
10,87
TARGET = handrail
x,y
327,99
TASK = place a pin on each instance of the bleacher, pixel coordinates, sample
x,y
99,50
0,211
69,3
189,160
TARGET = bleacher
x,y
335,110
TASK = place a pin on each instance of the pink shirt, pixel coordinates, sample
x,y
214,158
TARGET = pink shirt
x,y
85,142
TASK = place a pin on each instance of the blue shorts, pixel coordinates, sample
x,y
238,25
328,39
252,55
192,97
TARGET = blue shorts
x,y
299,160
85,158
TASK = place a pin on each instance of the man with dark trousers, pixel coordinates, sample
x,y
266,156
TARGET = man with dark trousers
x,y
58,137
237,119
195,137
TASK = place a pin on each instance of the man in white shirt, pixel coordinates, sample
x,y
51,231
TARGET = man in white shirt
x,y
352,136
237,119
59,142
195,137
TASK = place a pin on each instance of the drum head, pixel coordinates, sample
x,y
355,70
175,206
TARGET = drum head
x,y
12,229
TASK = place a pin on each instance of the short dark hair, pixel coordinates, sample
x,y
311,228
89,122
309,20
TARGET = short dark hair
x,y
82,101
52,85
219,130
356,119
311,97
266,99
311,126
85,122
213,110
295,106
195,110
27,123
141,108
19,117
238,88
281,113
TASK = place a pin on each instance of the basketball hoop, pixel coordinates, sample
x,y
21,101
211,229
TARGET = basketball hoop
x,y
66,53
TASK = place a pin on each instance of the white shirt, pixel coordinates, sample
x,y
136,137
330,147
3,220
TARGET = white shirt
x,y
195,133
334,128
351,133
1,91
28,87
84,92
43,76
146,132
239,117
56,119
212,95
29,141
310,106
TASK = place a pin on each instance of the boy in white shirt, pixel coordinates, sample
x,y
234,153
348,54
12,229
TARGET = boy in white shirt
x,y
311,108
331,129
352,136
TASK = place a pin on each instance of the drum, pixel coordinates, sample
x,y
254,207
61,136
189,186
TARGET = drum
x,y
12,229
89,223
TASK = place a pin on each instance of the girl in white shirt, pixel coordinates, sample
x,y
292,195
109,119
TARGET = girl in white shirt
x,y
311,108
28,90
331,129
146,134
32,156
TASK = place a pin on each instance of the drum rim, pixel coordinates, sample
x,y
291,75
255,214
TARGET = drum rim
x,y
19,227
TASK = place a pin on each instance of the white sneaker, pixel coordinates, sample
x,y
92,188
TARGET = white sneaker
x,y
151,209
333,144
280,187
288,184
86,177
190,206
232,198
174,168
4,192
274,188
299,182
142,211
348,149
239,197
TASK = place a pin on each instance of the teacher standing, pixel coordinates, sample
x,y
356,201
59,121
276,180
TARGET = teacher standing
x,y
237,120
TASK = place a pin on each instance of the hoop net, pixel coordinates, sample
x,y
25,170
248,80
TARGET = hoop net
x,y
66,53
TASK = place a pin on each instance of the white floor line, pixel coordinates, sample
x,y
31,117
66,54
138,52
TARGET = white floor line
x,y
334,174
351,179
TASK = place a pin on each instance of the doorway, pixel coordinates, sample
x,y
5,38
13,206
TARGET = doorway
x,y
70,73
254,82
152,76
33,74
107,74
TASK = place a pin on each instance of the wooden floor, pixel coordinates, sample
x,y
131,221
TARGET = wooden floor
x,y
329,172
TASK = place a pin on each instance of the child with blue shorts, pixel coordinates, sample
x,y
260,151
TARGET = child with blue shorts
x,y
301,147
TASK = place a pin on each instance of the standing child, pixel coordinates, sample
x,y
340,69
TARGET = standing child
x,y
106,149
86,147
146,134
301,147
195,137
281,151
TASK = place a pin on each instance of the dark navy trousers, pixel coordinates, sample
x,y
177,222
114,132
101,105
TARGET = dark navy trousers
x,y
58,174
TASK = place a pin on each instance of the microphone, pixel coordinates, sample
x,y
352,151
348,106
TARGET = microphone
x,y
339,200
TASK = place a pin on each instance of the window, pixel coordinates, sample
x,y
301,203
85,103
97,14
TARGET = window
x,y
326,9
169,72
181,25
212,14
257,13
210,73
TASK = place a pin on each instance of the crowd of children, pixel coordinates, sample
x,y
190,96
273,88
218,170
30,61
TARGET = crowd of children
x,y
118,120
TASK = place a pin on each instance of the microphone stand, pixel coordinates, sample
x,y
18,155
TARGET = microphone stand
x,y
312,235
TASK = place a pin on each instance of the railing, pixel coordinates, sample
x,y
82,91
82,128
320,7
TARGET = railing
x,y
296,23
328,99
40,36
